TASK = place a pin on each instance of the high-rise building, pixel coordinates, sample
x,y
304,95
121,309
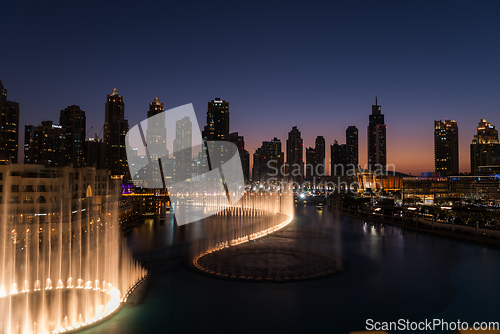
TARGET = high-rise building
x,y
319,151
268,161
338,155
310,163
344,157
29,134
183,150
239,141
217,120
48,146
351,138
156,137
315,160
446,147
115,129
377,153
294,156
256,165
73,121
9,126
94,154
485,147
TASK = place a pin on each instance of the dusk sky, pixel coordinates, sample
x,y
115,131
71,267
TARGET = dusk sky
x,y
315,65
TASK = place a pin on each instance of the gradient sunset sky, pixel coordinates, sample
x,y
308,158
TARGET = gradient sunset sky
x,y
316,65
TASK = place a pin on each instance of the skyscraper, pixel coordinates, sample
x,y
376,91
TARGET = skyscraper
x,y
94,156
256,165
319,151
268,161
310,163
294,156
217,120
315,160
156,137
377,155
73,121
29,134
183,150
485,147
351,138
446,147
48,146
239,141
217,128
338,155
344,157
9,125
115,129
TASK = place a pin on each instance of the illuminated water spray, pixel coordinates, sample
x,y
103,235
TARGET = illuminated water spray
x,y
63,264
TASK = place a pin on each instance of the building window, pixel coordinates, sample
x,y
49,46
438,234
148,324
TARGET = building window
x,y
41,199
14,199
41,188
14,188
28,199
29,188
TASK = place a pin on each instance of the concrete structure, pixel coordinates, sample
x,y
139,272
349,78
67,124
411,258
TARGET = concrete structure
x,y
377,151
115,129
485,147
9,123
446,147
295,156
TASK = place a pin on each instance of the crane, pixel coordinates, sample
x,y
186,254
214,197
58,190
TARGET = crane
x,y
86,135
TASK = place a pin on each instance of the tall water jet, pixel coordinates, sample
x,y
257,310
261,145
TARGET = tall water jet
x,y
63,262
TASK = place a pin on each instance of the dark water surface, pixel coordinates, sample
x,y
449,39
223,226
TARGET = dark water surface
x,y
390,274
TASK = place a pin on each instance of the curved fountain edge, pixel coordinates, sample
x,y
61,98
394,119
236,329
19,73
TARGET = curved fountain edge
x,y
242,240
98,320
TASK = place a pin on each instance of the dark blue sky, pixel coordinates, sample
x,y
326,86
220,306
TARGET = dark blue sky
x,y
315,65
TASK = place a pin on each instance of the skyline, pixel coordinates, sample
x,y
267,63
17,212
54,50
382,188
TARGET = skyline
x,y
317,66
464,147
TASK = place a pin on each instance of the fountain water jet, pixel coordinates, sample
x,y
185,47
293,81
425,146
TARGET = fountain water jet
x,y
254,216
53,248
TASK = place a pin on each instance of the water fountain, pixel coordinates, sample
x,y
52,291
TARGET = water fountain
x,y
255,215
63,264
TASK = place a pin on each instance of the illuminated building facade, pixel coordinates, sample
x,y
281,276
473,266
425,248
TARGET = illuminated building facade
x,y
218,120
315,160
115,129
48,146
345,156
351,139
9,128
294,155
377,152
183,150
29,133
156,137
35,192
485,147
73,121
446,147
268,161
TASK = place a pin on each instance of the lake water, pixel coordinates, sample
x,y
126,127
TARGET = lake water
x,y
390,274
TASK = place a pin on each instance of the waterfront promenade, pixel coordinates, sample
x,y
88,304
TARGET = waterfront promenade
x,y
464,232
